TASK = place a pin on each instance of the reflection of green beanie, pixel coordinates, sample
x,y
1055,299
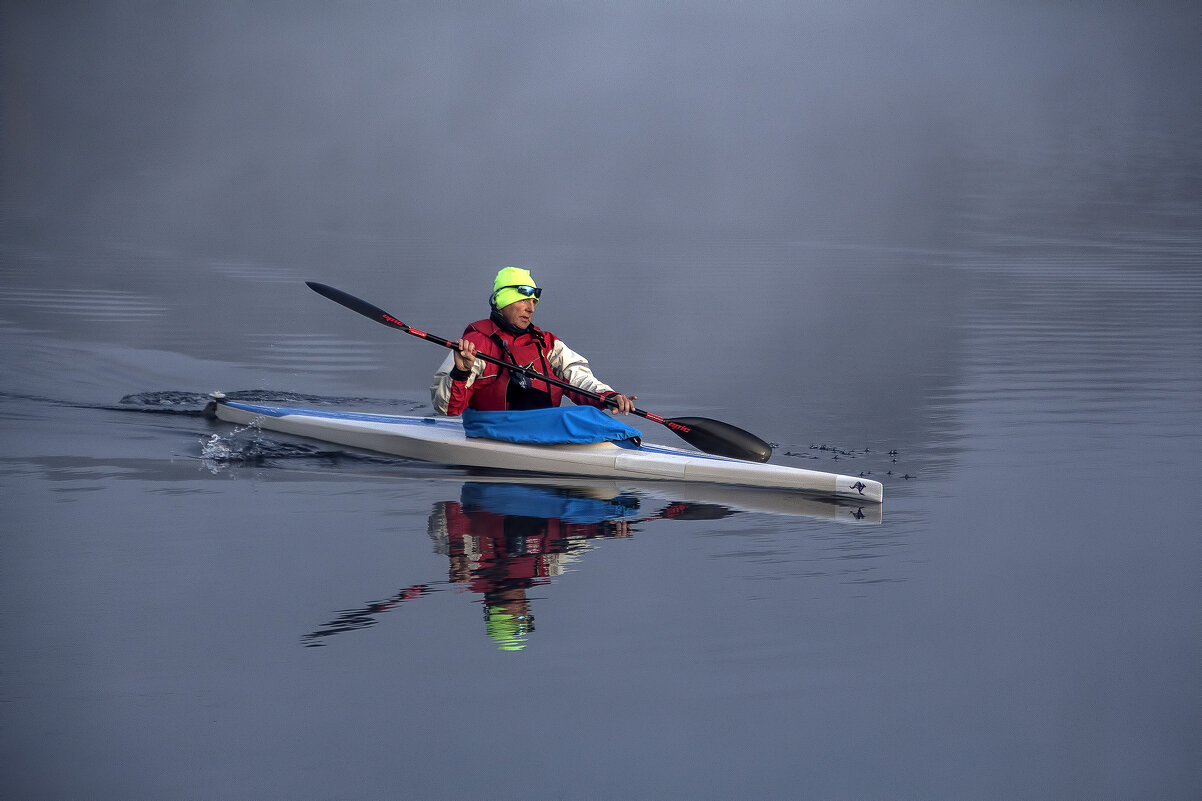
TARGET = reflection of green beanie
x,y
510,276
507,630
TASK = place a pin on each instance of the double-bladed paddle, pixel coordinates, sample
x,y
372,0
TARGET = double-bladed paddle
x,y
711,436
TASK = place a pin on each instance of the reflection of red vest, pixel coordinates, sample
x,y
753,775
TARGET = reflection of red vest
x,y
496,562
529,349
502,560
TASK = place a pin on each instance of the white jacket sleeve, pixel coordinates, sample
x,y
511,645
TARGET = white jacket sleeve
x,y
574,368
440,389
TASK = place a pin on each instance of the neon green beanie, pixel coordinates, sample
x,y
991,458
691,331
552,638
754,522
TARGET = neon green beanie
x,y
509,277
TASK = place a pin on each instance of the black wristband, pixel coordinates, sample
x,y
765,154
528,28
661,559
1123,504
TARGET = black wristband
x,y
459,375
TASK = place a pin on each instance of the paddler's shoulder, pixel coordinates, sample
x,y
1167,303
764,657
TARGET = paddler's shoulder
x,y
483,334
485,328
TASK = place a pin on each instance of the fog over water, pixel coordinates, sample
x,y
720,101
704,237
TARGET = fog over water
x,y
955,247
248,125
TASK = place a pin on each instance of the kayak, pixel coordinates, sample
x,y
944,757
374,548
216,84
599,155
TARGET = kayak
x,y
442,440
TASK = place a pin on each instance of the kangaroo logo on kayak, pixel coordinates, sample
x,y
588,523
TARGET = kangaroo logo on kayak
x,y
859,487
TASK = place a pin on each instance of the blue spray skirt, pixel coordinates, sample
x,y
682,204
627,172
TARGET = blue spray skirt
x,y
564,424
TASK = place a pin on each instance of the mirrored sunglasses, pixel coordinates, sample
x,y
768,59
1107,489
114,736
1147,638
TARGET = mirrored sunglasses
x,y
525,289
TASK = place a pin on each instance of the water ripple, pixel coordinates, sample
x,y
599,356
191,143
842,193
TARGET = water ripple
x,y
252,271
1096,335
315,353
97,305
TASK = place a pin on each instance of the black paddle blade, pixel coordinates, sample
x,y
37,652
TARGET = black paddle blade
x,y
721,439
355,304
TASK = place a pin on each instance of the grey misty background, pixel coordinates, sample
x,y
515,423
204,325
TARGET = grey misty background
x,y
253,127
654,163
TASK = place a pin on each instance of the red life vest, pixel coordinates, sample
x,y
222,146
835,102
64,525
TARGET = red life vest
x,y
489,392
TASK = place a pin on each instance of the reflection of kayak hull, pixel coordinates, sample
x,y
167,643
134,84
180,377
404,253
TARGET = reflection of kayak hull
x,y
730,497
441,440
774,501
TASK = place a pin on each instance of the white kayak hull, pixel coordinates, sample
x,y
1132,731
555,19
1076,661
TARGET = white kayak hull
x,y
442,440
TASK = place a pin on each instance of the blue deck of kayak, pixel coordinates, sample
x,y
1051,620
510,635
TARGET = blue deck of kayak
x,y
450,423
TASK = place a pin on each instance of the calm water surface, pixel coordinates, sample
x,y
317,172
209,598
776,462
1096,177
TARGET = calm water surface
x,y
1008,335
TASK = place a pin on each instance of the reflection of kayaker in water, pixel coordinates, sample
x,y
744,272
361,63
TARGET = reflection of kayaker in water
x,y
501,540
501,555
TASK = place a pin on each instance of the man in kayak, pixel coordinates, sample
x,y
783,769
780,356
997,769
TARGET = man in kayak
x,y
463,381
